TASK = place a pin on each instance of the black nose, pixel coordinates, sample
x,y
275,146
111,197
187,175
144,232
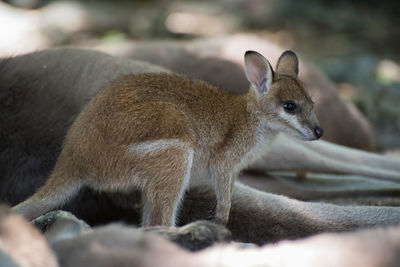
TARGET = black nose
x,y
318,131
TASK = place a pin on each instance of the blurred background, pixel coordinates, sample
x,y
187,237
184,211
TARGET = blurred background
x,y
355,42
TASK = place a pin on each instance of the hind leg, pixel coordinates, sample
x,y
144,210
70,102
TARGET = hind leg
x,y
165,167
160,207
163,196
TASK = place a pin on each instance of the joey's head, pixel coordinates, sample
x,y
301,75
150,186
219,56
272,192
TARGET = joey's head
x,y
280,96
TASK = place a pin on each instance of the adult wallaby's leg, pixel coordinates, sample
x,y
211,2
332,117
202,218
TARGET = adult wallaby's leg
x,y
328,158
356,156
260,217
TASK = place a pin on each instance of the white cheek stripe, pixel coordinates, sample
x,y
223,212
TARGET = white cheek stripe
x,y
292,120
152,147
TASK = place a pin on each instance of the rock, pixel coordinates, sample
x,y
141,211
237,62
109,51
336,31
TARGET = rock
x,y
194,236
59,225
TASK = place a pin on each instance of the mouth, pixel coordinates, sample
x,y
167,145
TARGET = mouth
x,y
311,133
306,135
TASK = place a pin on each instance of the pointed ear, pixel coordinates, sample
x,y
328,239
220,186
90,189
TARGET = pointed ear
x,y
258,71
288,63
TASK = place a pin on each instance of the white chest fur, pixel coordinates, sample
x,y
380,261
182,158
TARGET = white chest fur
x,y
263,137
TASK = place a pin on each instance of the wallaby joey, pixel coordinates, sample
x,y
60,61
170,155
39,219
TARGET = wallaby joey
x,y
152,132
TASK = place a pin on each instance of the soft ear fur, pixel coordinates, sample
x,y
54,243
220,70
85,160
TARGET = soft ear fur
x,y
288,63
258,71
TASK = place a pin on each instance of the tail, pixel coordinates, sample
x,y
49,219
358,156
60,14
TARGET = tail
x,y
52,195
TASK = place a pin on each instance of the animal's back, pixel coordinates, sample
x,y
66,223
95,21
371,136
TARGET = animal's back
x,y
139,109
152,106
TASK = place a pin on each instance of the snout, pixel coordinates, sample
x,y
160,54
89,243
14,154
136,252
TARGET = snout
x,y
318,132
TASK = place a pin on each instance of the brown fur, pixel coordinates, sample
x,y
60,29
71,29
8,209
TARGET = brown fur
x,y
41,94
218,60
154,131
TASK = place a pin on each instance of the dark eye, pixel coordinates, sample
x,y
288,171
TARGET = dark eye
x,y
290,107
